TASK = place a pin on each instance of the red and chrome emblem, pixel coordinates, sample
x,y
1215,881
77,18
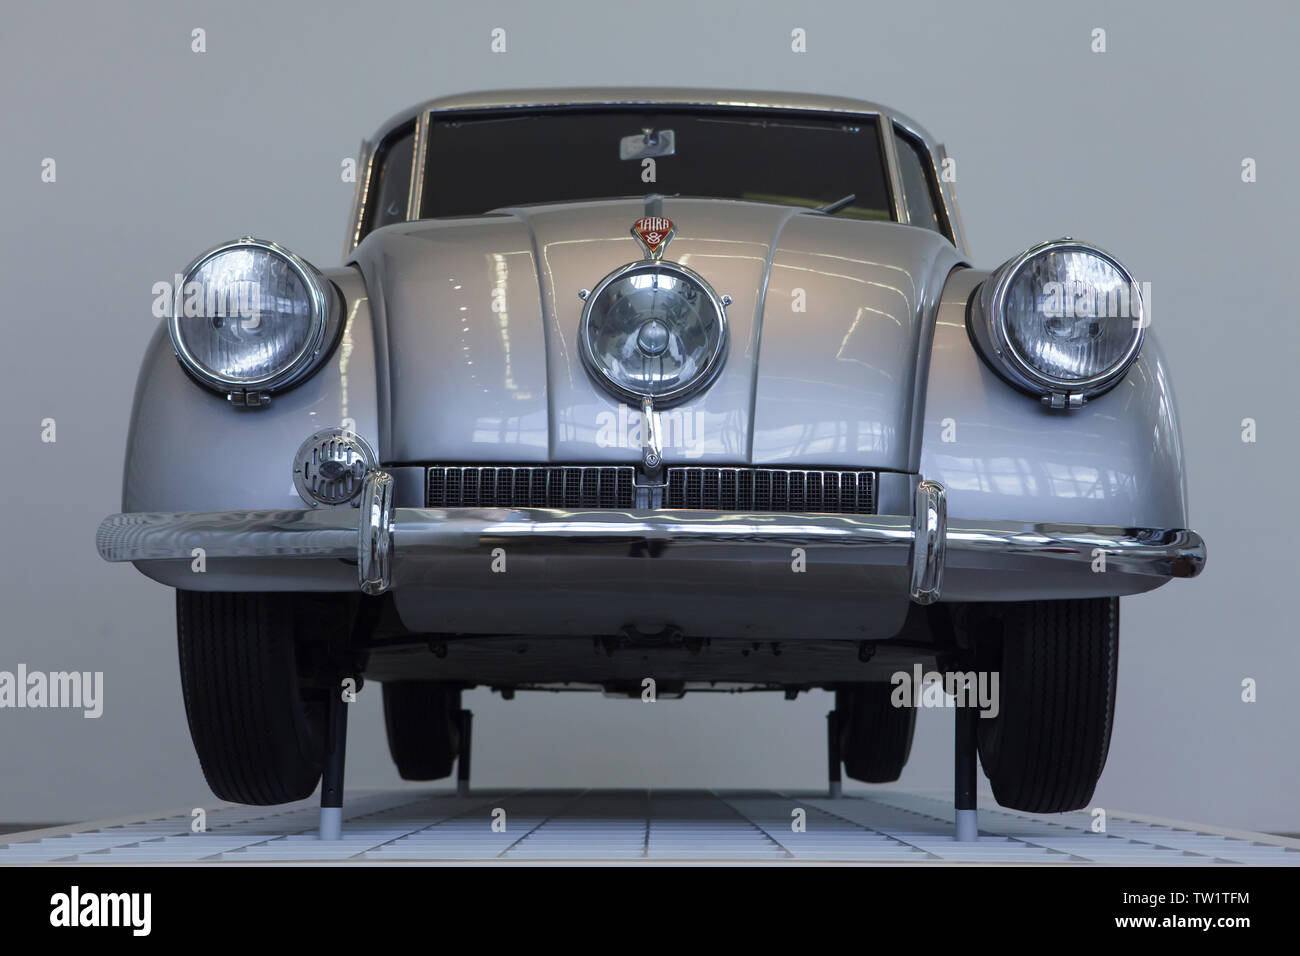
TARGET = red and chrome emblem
x,y
653,232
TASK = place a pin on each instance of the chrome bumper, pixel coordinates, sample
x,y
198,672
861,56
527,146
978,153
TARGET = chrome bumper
x,y
379,537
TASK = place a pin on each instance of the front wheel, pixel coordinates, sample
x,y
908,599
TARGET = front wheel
x,y
257,726
1057,666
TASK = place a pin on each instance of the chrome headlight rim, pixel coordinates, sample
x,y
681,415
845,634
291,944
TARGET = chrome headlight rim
x,y
1004,357
711,366
320,292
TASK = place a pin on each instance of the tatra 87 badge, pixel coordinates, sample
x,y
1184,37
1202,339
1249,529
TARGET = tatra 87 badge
x,y
653,232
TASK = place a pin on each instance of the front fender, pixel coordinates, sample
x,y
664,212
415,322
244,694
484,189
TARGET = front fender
x,y
188,449
1001,455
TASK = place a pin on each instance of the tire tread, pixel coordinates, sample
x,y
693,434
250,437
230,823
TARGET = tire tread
x,y
1059,668
255,742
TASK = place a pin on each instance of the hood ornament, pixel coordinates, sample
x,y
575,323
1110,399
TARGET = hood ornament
x,y
654,233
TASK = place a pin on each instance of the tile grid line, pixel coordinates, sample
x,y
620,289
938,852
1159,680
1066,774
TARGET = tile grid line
x,y
726,803
381,819
182,830
483,801
883,833
217,857
983,829
1012,817
545,820
1024,841
645,843
766,832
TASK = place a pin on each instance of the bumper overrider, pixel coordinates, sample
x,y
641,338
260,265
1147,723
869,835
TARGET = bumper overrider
x,y
384,541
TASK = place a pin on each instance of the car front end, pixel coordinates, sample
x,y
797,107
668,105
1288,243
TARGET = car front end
x,y
747,422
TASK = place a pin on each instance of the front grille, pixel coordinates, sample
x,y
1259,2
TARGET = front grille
x,y
689,487
529,486
793,490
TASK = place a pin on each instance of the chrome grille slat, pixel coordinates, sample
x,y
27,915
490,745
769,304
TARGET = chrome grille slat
x,y
689,487
530,486
794,490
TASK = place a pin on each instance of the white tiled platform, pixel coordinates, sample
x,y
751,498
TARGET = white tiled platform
x,y
638,825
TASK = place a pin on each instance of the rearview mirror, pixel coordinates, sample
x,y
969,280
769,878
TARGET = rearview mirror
x,y
648,142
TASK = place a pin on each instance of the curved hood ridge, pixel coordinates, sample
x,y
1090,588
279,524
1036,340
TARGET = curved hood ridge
x,y
829,325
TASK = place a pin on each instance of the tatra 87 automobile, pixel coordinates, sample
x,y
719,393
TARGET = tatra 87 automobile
x,y
653,392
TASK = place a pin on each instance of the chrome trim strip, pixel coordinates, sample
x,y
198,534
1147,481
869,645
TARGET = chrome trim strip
x,y
897,194
365,174
387,535
375,533
929,538
949,192
652,452
486,100
461,529
1001,545
419,154
157,536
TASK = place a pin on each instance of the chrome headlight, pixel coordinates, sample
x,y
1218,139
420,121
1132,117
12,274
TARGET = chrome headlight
x,y
653,330
251,318
1063,320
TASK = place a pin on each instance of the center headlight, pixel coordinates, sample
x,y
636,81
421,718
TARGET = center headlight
x,y
1064,320
250,316
653,330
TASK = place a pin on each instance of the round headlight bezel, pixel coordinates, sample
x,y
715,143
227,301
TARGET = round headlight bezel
x,y
1000,351
324,318
709,368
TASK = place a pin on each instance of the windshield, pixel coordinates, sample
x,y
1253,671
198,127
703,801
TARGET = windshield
x,y
479,164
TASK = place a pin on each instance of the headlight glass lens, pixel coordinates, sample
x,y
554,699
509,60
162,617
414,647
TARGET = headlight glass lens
x,y
654,331
246,316
1071,315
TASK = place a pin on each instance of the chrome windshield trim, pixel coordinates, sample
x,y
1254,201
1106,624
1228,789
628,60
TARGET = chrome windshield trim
x,y
952,227
642,96
581,97
419,156
365,175
897,191
949,192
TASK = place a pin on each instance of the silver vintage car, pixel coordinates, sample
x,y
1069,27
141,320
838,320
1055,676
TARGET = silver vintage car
x,y
652,391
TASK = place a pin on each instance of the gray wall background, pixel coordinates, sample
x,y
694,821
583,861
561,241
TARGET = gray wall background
x,y
162,152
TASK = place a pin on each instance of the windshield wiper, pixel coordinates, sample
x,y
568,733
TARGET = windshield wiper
x,y
832,208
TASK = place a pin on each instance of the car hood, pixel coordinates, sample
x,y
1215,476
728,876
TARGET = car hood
x,y
829,326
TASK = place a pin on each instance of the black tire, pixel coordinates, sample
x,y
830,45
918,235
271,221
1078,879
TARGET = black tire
x,y
258,732
423,723
875,736
1058,662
